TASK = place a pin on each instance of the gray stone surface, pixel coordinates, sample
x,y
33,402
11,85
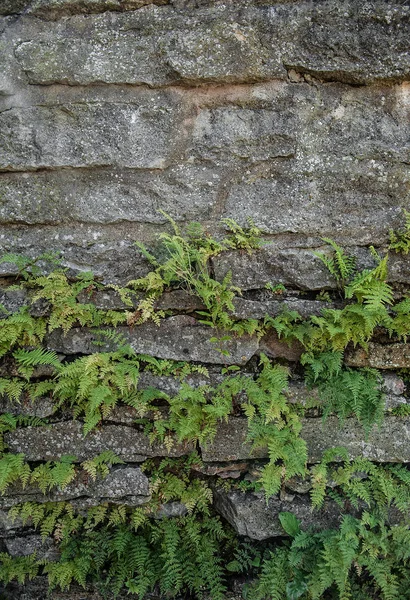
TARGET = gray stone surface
x,y
138,134
41,407
54,9
23,546
389,443
293,267
178,338
230,443
103,196
109,252
251,515
11,301
252,309
50,443
123,485
389,356
224,42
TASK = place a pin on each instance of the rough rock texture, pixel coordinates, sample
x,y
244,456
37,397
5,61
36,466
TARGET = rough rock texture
x,y
389,443
251,515
52,442
178,338
390,356
126,485
225,43
295,114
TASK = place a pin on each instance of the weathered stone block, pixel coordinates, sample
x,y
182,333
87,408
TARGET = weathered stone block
x,y
123,485
232,133
50,443
293,267
294,197
389,443
178,338
104,196
139,134
223,43
23,546
252,309
251,515
54,9
378,356
41,407
274,347
230,443
109,252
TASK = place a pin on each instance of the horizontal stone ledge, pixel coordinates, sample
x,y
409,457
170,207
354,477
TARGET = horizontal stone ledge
x,y
45,549
66,438
178,299
219,43
123,485
178,338
389,443
378,356
109,252
55,9
109,195
252,516
145,133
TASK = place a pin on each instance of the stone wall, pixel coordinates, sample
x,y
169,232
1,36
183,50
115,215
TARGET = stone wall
x,y
296,114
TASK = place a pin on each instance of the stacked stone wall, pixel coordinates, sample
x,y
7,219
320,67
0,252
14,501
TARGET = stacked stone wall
x,y
113,112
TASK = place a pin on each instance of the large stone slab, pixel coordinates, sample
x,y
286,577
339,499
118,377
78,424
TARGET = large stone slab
x,y
378,356
223,42
232,133
294,197
251,515
389,443
54,9
109,252
104,196
178,338
139,134
123,485
50,443
293,267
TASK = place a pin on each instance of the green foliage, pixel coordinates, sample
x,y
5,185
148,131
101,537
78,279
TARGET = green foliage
x,y
343,391
140,550
194,414
364,554
27,267
121,548
340,265
186,263
360,481
48,475
22,329
400,240
94,384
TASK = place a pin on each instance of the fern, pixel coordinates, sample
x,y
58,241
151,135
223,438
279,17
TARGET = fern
x,y
345,391
400,240
340,265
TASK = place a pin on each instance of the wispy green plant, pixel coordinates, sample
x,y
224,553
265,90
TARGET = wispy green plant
x,y
400,239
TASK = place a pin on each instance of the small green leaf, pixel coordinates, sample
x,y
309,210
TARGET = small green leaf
x,y
290,523
295,589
